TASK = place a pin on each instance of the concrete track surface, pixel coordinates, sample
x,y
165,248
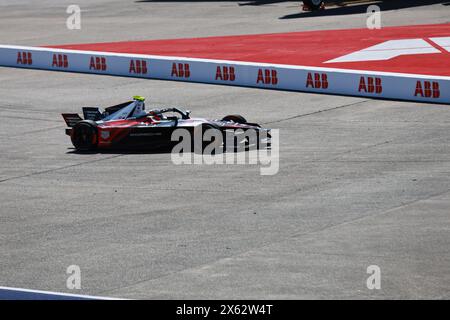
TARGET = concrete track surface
x,y
361,182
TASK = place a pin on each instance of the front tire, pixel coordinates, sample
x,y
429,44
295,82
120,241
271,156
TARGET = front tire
x,y
84,135
235,118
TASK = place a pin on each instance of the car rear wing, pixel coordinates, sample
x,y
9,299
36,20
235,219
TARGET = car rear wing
x,y
92,113
71,119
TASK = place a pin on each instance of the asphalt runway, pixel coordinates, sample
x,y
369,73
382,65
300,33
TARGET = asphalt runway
x,y
361,182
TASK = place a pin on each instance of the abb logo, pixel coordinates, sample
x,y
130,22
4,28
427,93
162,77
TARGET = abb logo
x,y
317,80
427,89
225,73
180,70
370,85
24,58
98,64
267,76
60,61
138,67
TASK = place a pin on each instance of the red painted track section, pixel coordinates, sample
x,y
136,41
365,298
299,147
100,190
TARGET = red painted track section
x,y
310,48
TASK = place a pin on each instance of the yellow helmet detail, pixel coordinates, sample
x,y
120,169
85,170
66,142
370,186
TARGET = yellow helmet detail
x,y
139,98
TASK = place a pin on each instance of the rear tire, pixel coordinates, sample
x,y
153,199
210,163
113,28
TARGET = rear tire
x,y
235,118
84,135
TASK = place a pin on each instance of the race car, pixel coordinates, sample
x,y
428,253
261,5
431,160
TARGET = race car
x,y
128,125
